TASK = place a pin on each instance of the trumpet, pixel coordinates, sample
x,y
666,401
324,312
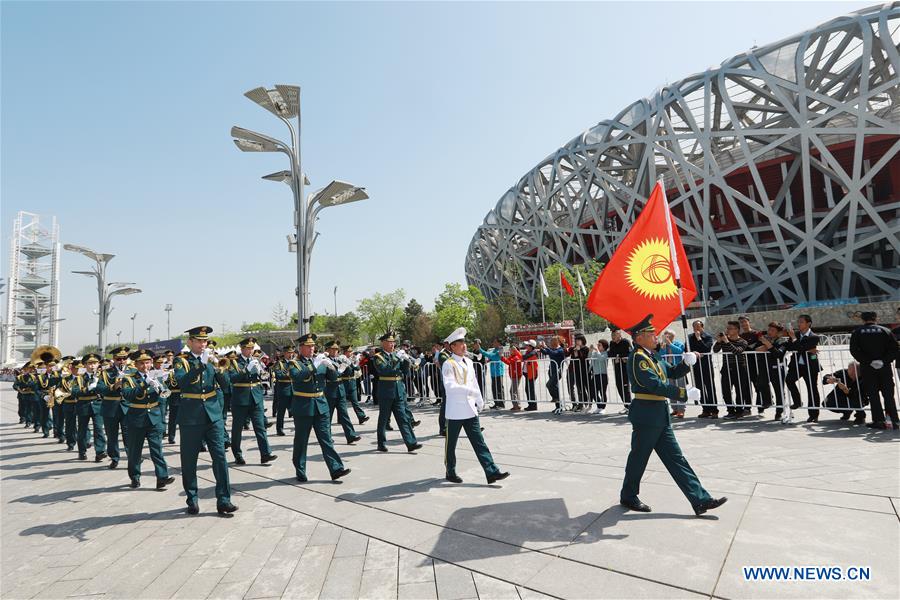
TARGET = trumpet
x,y
160,377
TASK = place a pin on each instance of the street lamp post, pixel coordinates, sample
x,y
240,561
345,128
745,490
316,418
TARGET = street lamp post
x,y
168,310
119,338
149,329
105,291
133,317
284,102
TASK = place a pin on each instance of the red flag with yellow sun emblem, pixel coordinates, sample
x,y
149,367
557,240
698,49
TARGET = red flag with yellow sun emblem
x,y
642,276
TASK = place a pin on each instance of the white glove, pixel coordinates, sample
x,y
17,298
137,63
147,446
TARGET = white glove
x,y
876,364
204,356
690,359
356,360
401,354
254,366
693,394
317,360
155,384
46,398
82,370
92,385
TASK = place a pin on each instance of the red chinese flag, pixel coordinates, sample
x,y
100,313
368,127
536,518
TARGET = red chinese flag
x,y
565,283
639,279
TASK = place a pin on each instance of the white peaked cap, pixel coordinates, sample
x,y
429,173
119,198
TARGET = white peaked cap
x,y
458,334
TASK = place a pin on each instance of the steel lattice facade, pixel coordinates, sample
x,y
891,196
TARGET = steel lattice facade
x,y
781,168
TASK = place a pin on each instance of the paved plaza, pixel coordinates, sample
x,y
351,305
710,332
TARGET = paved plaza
x,y
803,495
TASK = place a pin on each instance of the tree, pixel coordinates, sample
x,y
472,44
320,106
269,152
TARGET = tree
x,y
490,324
380,313
259,326
89,349
344,328
510,310
412,310
280,315
456,307
422,333
554,308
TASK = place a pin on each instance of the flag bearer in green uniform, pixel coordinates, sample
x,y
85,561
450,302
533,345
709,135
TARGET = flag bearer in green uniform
x,y
247,401
310,410
113,413
335,374
649,414
351,389
199,420
391,370
144,419
283,391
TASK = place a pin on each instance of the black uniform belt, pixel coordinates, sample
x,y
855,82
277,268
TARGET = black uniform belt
x,y
308,394
203,396
383,378
246,385
151,405
640,396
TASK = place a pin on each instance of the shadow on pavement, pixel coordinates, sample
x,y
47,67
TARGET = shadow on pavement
x,y
78,528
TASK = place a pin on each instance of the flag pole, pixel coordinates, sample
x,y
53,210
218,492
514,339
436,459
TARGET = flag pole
x,y
543,287
676,270
580,301
562,304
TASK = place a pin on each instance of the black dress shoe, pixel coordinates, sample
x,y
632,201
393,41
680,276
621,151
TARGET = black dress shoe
x,y
113,464
382,448
442,433
302,478
269,424
100,456
778,414
226,509
497,477
162,483
364,419
635,504
416,423
268,458
240,460
860,420
354,439
812,419
453,478
389,428
193,509
413,448
135,483
795,405
709,505
82,457
845,416
280,433
877,425
70,448
203,448
338,474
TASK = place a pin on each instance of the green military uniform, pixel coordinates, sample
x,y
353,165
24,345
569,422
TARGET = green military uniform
x,y
144,420
25,396
199,421
351,389
391,370
310,411
112,410
443,355
69,411
87,408
247,401
283,392
41,383
174,402
224,391
649,415
334,392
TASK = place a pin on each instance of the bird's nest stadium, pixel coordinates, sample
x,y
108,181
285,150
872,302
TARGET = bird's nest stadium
x,y
781,168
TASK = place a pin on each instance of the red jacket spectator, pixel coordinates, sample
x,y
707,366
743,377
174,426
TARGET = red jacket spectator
x,y
531,363
514,361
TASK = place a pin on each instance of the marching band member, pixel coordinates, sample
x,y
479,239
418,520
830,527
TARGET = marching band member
x,y
247,401
334,389
113,411
463,403
310,410
351,389
199,420
391,368
144,419
88,408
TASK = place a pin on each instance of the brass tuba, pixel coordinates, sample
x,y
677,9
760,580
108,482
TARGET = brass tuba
x,y
46,353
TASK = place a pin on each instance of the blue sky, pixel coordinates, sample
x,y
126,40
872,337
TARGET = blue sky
x,y
115,118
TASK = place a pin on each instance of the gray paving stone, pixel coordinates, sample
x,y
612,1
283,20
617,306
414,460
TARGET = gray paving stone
x,y
325,534
351,544
453,583
381,555
417,591
489,588
201,584
309,574
378,584
343,578
415,567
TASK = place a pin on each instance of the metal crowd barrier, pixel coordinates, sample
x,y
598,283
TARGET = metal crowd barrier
x,y
747,381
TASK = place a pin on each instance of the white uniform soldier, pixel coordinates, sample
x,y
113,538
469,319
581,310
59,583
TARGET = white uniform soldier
x,y
464,401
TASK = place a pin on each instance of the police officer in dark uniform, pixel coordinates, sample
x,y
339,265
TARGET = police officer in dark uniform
x,y
649,414
875,348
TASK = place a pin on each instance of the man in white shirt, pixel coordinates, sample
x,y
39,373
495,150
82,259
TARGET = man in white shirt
x,y
463,401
